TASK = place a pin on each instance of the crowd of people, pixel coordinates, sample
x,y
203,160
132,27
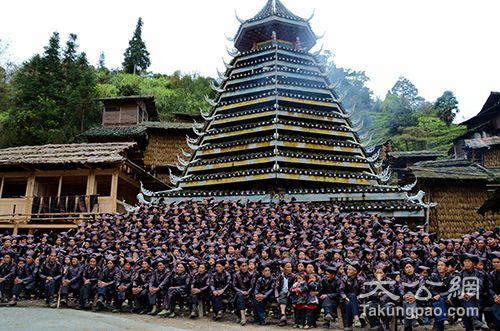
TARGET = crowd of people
x,y
248,258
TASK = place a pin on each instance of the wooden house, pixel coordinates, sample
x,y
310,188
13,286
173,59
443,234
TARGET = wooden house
x,y
55,186
135,118
461,185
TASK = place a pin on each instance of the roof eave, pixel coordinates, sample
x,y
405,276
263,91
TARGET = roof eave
x,y
254,24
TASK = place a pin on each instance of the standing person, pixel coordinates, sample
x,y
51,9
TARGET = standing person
x,y
26,278
314,287
330,293
71,280
199,289
243,283
350,288
298,296
7,275
220,286
284,283
156,292
439,286
90,276
263,294
51,273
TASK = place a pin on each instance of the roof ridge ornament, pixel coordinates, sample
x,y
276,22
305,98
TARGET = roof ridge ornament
x,y
238,18
211,102
374,157
233,53
206,116
192,146
216,88
198,133
320,36
312,15
191,140
186,154
359,126
409,186
129,208
221,75
147,193
183,162
198,125
180,168
230,39
318,52
228,66
368,141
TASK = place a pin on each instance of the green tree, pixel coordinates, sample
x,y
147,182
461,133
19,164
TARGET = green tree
x,y
400,113
405,90
447,107
52,97
136,56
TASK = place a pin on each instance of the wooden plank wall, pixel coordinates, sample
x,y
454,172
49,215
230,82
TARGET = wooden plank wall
x,y
456,213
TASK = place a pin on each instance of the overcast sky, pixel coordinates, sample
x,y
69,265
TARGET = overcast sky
x,y
438,45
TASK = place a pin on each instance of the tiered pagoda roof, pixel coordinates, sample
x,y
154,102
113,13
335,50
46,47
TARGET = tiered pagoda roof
x,y
277,125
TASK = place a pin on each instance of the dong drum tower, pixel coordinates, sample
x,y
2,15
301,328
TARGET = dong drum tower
x,y
277,129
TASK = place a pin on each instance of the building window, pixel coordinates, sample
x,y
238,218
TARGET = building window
x,y
14,187
103,185
46,186
127,192
74,185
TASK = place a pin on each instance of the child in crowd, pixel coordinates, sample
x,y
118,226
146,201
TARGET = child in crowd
x,y
298,295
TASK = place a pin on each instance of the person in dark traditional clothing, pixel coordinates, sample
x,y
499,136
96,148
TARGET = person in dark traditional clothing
x,y
71,280
284,282
471,292
439,286
106,288
330,293
26,278
220,283
123,282
298,296
90,277
382,294
51,272
410,284
177,287
351,287
314,288
156,292
199,289
140,283
263,294
7,276
243,283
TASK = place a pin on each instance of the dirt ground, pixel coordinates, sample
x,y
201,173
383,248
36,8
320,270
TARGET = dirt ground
x,y
31,315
